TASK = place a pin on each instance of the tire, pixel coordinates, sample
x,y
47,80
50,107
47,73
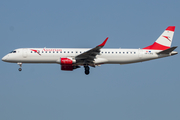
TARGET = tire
x,y
20,69
87,72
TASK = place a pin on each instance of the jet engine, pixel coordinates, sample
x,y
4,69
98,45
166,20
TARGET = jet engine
x,y
67,64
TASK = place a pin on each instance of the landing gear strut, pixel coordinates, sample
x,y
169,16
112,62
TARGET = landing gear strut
x,y
86,67
20,64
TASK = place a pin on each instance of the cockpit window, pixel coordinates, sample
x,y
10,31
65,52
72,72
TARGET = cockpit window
x,y
13,52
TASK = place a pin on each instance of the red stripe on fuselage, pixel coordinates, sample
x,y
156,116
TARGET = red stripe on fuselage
x,y
156,46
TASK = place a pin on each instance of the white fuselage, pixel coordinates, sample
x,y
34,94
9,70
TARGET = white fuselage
x,y
72,58
106,56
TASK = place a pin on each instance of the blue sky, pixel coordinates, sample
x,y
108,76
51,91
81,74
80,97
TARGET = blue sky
x,y
143,91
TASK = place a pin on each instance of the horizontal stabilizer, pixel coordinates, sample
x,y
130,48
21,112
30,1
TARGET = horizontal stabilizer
x,y
167,51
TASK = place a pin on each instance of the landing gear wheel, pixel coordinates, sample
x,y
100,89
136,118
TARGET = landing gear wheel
x,y
86,70
20,69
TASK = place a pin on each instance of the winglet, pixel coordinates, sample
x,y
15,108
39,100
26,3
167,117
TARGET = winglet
x,y
102,44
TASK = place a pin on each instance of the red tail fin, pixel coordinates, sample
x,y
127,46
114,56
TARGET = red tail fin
x,y
164,41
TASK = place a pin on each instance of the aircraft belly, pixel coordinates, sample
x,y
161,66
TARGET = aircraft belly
x,y
122,59
126,59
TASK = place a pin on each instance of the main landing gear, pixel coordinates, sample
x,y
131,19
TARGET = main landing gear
x,y
20,64
86,67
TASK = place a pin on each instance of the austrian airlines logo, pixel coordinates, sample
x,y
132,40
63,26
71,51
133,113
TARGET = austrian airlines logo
x,y
36,51
167,38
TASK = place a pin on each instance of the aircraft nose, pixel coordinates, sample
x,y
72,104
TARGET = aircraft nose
x,y
5,58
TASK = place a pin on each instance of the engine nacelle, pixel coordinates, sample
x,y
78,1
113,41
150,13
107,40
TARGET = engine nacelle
x,y
67,61
67,64
67,67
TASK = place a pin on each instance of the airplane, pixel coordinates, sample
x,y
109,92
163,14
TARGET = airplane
x,y
73,58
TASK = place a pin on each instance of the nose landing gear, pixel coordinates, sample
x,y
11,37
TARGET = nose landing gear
x,y
20,64
86,67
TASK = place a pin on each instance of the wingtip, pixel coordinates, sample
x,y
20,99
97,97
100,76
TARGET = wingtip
x,y
102,44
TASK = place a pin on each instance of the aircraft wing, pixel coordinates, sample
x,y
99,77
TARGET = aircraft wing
x,y
89,56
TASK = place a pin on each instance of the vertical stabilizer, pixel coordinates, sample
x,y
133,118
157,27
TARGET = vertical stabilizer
x,y
164,41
